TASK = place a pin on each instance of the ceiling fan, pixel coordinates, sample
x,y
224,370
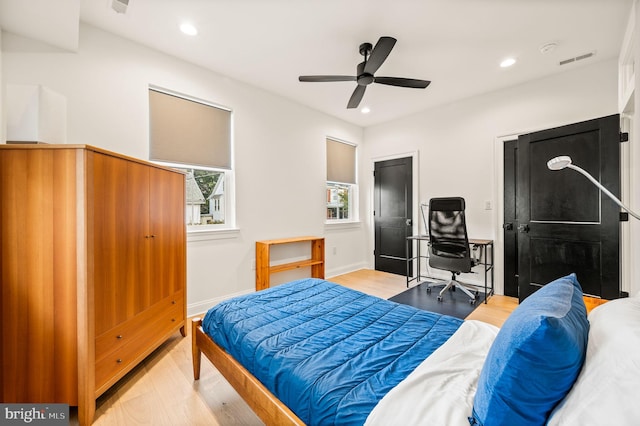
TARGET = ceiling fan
x,y
373,59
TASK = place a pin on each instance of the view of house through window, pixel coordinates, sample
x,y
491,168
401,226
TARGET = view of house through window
x,y
341,181
338,196
205,197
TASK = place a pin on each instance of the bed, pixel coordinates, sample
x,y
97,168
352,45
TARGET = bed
x,y
313,352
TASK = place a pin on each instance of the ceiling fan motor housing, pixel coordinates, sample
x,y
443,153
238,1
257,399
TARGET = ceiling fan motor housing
x,y
364,78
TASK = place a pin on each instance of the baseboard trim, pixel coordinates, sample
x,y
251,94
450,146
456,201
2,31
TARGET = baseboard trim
x,y
203,306
345,269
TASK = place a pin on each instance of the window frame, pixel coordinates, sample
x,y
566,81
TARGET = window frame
x,y
227,229
353,205
229,194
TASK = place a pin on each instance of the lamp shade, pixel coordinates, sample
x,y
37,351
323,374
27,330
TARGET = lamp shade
x,y
559,163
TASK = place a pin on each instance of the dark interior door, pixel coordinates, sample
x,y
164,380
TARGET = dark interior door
x,y
392,214
510,224
565,224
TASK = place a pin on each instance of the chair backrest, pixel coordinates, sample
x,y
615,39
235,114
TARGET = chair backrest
x,y
448,240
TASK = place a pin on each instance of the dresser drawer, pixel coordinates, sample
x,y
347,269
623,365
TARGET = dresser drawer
x,y
138,326
120,349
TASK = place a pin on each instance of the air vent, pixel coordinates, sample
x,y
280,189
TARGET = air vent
x,y
577,58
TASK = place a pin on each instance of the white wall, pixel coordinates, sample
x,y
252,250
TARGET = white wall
x,y
278,144
279,147
459,144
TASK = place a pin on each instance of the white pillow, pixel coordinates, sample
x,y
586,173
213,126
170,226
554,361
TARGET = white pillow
x,y
606,391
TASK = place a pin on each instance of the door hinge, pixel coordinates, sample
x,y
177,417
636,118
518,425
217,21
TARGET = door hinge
x,y
624,217
624,136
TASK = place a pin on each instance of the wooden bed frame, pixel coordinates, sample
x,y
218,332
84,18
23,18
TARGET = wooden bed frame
x,y
265,404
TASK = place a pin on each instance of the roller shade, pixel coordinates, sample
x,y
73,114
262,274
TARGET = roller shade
x,y
188,132
341,162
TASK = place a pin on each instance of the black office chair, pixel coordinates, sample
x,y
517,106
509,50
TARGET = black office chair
x,y
449,244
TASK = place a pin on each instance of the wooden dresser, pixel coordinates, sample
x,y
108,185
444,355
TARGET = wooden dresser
x,y
92,270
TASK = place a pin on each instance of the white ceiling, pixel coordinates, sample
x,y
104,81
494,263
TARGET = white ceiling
x,y
457,44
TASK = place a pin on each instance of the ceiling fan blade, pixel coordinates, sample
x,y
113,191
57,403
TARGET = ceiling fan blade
x,y
402,82
323,78
356,97
379,54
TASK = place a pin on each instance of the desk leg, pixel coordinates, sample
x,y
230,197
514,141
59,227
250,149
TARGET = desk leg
x,y
493,267
406,255
418,272
484,255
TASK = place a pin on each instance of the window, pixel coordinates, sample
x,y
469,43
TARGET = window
x,y
338,196
194,136
341,181
205,197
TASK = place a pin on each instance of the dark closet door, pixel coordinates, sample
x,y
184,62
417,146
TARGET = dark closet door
x,y
565,224
510,224
393,210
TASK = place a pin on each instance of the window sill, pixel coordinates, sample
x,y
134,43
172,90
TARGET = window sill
x,y
212,234
338,225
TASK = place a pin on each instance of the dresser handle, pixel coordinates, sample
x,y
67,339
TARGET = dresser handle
x,y
119,336
173,320
173,302
119,361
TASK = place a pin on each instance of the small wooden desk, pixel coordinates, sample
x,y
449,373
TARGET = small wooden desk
x,y
485,248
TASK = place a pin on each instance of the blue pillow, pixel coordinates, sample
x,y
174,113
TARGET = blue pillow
x,y
535,357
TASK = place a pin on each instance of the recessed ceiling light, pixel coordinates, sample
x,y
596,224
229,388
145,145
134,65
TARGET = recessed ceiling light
x,y
365,110
507,62
188,29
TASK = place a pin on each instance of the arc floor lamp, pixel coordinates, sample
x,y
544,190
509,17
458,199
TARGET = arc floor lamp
x,y
564,161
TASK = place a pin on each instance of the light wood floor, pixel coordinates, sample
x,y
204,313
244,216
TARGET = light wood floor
x,y
161,390
386,285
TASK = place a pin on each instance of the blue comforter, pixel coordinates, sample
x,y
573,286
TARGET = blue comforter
x,y
327,352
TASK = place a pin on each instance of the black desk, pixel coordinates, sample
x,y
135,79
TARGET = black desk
x,y
485,248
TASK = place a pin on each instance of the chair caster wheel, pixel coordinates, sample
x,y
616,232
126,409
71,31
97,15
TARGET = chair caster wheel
x,y
428,290
439,298
472,302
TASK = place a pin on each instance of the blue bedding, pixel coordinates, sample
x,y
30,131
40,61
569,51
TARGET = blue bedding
x,y
327,352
